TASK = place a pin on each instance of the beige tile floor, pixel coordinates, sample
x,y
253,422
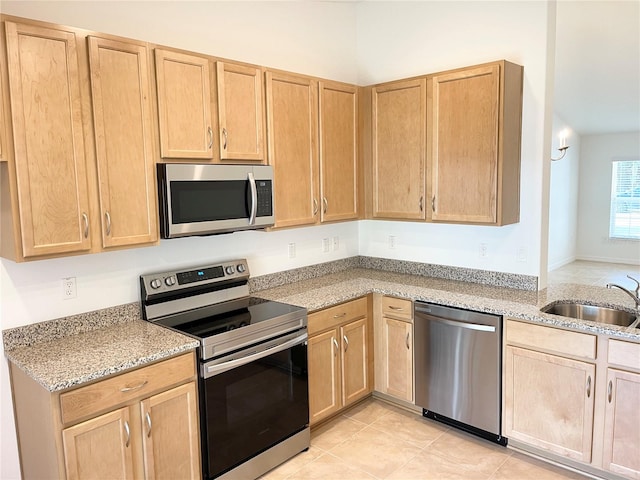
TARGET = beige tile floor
x,y
375,440
595,273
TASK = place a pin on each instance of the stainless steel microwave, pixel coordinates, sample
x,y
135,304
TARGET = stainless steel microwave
x,y
200,199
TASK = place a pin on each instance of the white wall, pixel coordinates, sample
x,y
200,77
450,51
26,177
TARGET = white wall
x,y
597,152
563,201
363,43
413,38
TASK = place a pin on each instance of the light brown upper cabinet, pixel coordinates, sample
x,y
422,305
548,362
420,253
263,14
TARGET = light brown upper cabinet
x,y
338,151
184,105
48,175
124,141
240,112
474,144
292,116
398,143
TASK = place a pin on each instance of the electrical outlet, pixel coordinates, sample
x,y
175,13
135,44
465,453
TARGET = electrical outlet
x,y
69,288
292,250
326,245
522,254
336,243
393,241
483,251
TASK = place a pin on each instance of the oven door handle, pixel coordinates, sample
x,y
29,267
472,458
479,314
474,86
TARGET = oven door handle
x,y
211,370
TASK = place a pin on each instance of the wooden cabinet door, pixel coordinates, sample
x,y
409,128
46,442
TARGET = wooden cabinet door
x,y
464,145
355,370
399,142
50,164
622,424
170,434
124,151
240,112
398,346
99,448
549,402
292,115
184,105
338,151
324,375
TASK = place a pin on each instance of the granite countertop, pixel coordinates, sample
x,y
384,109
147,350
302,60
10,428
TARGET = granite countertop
x,y
334,288
78,358
70,351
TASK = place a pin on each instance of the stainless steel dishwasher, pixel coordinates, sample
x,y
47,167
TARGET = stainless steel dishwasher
x,y
458,357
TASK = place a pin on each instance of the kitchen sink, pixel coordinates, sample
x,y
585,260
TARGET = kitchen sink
x,y
611,316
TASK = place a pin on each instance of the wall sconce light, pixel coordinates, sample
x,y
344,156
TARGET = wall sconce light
x,y
563,146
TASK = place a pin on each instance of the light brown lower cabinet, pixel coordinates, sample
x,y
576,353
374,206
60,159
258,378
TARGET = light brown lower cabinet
x,y
394,349
139,424
575,395
550,402
339,358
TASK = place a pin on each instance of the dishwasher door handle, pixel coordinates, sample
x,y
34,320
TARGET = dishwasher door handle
x,y
468,326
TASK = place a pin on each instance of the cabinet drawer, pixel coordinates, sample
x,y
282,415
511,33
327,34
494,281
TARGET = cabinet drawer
x,y
563,342
120,389
334,316
397,308
625,354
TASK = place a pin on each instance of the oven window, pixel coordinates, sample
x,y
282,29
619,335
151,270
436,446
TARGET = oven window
x,y
253,407
207,201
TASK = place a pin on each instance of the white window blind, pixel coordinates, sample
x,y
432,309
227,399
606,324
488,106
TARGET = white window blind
x,y
625,200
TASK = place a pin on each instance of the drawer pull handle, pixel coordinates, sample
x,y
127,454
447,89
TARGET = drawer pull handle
x,y
346,342
108,220
408,347
128,432
148,418
210,132
85,219
610,391
315,207
340,315
335,343
224,134
589,386
131,389
391,307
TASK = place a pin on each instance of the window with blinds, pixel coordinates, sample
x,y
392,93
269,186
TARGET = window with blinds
x,y
625,200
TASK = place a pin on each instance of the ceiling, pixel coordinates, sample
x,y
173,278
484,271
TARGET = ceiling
x,y
597,76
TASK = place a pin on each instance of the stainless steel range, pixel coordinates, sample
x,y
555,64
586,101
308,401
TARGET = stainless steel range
x,y
253,387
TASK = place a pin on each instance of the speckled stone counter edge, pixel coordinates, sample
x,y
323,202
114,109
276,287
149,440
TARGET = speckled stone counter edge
x,y
485,277
72,325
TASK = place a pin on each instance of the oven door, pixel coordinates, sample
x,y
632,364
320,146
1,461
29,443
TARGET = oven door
x,y
252,400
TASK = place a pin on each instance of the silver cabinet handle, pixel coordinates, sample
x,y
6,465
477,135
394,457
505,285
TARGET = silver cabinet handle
x,y
589,386
421,206
433,203
107,219
254,199
391,307
210,133
346,342
224,134
85,218
128,432
408,347
610,391
335,343
148,418
325,203
315,207
340,315
137,387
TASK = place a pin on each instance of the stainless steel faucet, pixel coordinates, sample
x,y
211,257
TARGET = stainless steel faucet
x,y
635,296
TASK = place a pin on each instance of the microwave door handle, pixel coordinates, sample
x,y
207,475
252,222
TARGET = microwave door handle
x,y
254,199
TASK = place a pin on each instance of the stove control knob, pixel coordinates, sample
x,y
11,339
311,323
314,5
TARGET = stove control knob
x,y
170,281
230,270
241,268
156,283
